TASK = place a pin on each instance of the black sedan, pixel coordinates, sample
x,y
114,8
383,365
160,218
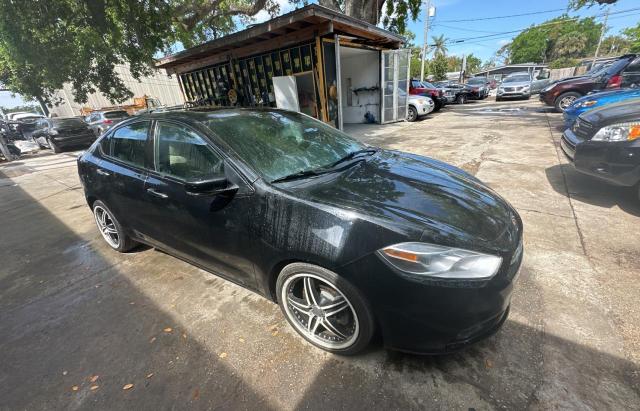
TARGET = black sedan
x,y
347,238
60,133
605,143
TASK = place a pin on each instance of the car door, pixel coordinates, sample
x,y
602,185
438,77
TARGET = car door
x,y
121,172
207,227
91,121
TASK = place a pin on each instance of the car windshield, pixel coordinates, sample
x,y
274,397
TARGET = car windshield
x,y
613,68
426,84
116,114
516,79
280,143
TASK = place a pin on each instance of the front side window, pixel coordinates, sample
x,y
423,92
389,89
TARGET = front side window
x,y
279,143
128,143
182,153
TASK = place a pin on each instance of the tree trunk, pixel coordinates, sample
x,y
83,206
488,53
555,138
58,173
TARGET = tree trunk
x,y
366,10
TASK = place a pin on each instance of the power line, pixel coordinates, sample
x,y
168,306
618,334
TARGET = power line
x,y
503,17
461,40
462,29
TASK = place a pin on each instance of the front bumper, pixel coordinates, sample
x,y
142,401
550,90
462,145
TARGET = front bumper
x,y
616,163
547,98
513,94
432,318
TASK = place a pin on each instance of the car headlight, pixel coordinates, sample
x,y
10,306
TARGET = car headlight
x,y
549,87
441,262
618,132
587,103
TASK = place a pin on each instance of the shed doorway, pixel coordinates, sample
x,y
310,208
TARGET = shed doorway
x,y
360,84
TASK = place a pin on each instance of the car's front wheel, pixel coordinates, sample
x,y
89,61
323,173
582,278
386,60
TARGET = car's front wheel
x,y
53,146
565,100
110,228
324,308
412,114
461,99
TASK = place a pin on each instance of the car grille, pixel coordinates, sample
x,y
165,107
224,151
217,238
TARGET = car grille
x,y
582,129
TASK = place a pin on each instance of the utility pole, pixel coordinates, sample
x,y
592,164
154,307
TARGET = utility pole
x,y
427,13
604,29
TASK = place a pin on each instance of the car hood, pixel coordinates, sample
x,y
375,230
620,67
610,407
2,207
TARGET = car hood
x,y
449,204
516,84
628,110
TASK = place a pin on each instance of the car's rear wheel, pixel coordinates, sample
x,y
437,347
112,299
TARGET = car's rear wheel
x,y
324,308
564,100
461,99
53,146
412,114
110,228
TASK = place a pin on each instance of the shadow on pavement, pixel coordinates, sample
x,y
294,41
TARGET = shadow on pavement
x,y
591,190
66,314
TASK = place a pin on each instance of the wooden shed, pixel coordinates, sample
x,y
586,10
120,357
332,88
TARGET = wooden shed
x,y
314,60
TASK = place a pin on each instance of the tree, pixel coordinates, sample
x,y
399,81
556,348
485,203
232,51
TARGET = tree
x,y
394,17
578,4
51,42
439,44
632,35
615,45
553,39
438,67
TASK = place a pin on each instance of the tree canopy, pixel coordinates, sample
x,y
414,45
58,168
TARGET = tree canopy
x,y
561,37
46,43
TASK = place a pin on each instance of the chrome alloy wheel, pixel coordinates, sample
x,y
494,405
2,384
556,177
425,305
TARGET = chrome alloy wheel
x,y
320,311
107,227
567,101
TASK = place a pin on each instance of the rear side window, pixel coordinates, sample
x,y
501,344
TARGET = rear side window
x,y
128,144
183,154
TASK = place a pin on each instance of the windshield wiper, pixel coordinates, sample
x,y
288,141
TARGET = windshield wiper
x,y
299,174
353,154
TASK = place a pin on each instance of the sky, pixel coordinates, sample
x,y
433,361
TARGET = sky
x,y
484,48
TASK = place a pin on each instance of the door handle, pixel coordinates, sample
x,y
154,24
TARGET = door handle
x,y
102,172
153,192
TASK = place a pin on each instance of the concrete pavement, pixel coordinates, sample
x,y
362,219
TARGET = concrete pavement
x,y
71,308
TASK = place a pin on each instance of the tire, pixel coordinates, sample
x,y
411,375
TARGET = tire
x,y
412,114
56,148
564,100
110,228
346,332
461,99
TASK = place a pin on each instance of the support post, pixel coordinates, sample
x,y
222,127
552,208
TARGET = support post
x,y
426,39
604,29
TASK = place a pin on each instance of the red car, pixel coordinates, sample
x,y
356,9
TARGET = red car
x,y
623,72
427,89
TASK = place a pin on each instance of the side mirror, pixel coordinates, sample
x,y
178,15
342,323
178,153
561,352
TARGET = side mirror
x,y
212,186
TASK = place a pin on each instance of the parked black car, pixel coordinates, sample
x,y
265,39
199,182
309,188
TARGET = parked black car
x,y
457,93
60,133
101,121
345,237
605,143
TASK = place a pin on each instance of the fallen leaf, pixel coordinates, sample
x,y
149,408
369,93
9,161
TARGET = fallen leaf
x,y
168,329
132,303
274,333
488,363
241,340
64,373
94,378
223,355
152,339
93,387
150,375
184,335
173,306
127,386
196,393
75,388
